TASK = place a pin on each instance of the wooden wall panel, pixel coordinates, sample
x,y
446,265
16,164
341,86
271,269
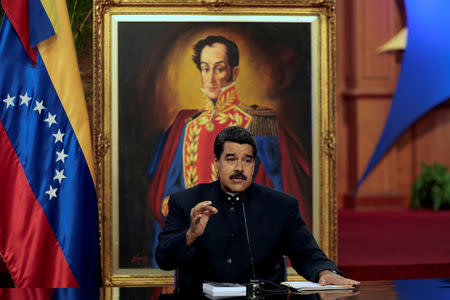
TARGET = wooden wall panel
x,y
369,123
373,24
404,169
366,82
343,47
432,138
369,25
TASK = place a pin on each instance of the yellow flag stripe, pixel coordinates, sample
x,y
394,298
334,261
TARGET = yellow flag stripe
x,y
58,53
50,8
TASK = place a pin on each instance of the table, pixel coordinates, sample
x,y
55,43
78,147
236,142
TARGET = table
x,y
436,288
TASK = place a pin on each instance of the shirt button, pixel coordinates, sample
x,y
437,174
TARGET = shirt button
x,y
229,261
232,209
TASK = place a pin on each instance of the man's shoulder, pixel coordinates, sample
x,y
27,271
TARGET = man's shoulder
x,y
270,193
193,193
186,115
258,110
264,119
182,117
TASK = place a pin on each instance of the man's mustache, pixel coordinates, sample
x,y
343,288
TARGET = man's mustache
x,y
238,176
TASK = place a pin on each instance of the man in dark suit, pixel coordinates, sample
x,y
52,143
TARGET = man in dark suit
x,y
233,230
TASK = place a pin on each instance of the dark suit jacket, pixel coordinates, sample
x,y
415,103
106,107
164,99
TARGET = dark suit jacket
x,y
222,253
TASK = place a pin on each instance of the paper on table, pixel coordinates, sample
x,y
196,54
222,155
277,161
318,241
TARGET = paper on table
x,y
312,286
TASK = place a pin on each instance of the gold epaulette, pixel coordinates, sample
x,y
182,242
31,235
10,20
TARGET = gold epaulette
x,y
264,120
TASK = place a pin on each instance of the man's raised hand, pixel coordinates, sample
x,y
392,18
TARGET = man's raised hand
x,y
199,219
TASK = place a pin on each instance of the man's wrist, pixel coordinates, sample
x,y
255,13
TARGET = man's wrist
x,y
190,238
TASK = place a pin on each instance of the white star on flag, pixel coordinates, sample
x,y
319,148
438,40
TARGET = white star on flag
x,y
59,175
51,193
39,106
9,101
25,99
58,136
50,119
61,156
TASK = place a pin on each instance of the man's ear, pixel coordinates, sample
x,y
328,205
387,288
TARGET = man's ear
x,y
235,73
216,162
253,169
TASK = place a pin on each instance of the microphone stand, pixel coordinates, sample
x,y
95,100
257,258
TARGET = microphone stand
x,y
254,286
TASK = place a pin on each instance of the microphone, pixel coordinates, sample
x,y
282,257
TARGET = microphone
x,y
253,288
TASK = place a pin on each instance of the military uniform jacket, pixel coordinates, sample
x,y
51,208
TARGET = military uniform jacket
x,y
222,253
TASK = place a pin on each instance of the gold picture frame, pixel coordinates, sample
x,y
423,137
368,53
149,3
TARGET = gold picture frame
x,y
109,18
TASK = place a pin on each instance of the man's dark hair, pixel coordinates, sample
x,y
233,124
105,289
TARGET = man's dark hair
x,y
232,49
234,134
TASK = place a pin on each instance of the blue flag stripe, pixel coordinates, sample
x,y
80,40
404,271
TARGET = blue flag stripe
x,y
40,26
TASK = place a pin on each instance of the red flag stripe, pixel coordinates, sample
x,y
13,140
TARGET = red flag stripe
x,y
26,294
18,13
27,243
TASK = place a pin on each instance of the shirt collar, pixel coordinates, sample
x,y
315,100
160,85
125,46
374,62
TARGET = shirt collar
x,y
233,197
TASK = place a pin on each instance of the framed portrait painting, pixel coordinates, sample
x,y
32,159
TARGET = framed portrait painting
x,y
157,112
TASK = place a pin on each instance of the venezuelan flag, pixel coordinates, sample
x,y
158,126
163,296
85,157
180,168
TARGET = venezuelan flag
x,y
48,205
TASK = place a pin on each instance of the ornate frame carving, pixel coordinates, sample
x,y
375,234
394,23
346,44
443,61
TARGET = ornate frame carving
x,y
324,118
